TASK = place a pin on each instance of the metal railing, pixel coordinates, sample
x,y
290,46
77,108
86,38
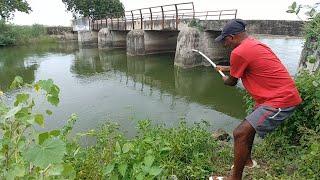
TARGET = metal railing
x,y
172,13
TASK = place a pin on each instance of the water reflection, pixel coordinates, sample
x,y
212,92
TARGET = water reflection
x,y
107,85
24,60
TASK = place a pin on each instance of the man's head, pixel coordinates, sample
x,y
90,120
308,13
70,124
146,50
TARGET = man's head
x,y
233,33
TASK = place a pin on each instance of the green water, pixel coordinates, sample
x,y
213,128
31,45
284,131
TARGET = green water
x,y
102,86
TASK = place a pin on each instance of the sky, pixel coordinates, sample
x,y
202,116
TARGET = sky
x,y
53,12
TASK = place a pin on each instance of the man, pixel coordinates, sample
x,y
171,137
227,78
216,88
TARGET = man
x,y
266,80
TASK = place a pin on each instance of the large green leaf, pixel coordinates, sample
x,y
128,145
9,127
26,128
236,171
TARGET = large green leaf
x,y
122,168
127,147
38,118
54,100
108,169
21,98
68,171
148,160
17,171
155,171
51,151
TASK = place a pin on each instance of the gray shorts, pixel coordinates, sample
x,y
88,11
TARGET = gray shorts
x,y
264,119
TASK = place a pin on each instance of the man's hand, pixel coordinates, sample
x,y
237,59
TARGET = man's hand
x,y
230,81
223,68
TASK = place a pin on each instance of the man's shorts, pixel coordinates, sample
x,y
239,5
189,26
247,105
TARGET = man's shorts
x,y
264,119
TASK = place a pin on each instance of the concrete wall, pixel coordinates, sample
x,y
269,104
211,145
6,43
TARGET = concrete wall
x,y
62,33
141,42
160,41
272,27
88,38
112,39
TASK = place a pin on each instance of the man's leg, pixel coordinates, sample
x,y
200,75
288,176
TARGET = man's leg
x,y
243,140
249,160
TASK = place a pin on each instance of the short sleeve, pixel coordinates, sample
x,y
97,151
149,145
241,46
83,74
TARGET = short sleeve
x,y
238,65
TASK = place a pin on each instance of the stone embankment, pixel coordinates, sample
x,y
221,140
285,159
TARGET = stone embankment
x,y
62,33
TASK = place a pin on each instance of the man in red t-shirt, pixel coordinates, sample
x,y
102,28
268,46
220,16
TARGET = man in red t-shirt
x,y
266,80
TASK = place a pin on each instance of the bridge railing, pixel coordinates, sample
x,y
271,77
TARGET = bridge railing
x,y
166,16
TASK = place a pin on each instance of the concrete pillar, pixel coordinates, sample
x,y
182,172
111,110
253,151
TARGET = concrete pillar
x,y
214,50
135,43
188,38
108,39
192,38
88,38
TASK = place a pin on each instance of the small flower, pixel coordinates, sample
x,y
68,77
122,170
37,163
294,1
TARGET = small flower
x,y
1,93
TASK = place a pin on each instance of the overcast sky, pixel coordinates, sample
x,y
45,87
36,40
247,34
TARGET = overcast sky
x,y
53,12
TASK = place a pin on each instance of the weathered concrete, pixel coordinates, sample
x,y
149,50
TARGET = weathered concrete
x,y
192,38
140,42
188,38
62,33
108,39
215,51
135,43
313,63
88,38
272,27
160,41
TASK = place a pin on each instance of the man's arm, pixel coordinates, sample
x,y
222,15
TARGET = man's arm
x,y
223,68
230,80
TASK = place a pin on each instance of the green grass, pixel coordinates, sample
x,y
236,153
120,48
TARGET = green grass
x,y
21,35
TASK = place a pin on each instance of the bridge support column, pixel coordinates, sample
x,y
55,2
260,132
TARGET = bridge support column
x,y
135,43
87,38
108,39
188,38
192,38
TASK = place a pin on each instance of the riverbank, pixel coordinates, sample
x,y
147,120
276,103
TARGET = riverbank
x,y
156,152
13,35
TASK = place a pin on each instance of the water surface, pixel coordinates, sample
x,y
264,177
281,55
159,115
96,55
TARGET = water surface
x,y
102,86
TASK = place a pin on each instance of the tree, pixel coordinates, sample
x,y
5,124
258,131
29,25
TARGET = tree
x,y
95,9
8,7
310,56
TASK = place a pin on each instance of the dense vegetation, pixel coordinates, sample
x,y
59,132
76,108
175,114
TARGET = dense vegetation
x,y
19,35
291,152
183,152
95,9
7,8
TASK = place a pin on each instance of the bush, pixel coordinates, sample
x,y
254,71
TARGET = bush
x,y
307,114
182,152
19,35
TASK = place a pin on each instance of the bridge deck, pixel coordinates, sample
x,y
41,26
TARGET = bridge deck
x,y
165,17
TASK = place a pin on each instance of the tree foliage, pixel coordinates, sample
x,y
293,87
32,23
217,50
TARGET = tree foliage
x,y
7,8
95,9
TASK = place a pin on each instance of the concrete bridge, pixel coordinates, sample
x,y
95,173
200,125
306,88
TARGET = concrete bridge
x,y
169,28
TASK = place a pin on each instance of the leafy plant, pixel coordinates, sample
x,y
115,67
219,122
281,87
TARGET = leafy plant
x,y
24,152
7,8
196,24
96,9
157,152
311,29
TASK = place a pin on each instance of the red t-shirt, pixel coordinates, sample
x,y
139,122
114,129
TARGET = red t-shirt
x,y
263,75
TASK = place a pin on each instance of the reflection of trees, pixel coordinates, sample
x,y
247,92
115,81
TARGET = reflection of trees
x,y
157,72
91,61
23,61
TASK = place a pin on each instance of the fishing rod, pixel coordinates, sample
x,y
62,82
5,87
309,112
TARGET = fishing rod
x,y
212,63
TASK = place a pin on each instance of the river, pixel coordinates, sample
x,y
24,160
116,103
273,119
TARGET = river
x,y
102,86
